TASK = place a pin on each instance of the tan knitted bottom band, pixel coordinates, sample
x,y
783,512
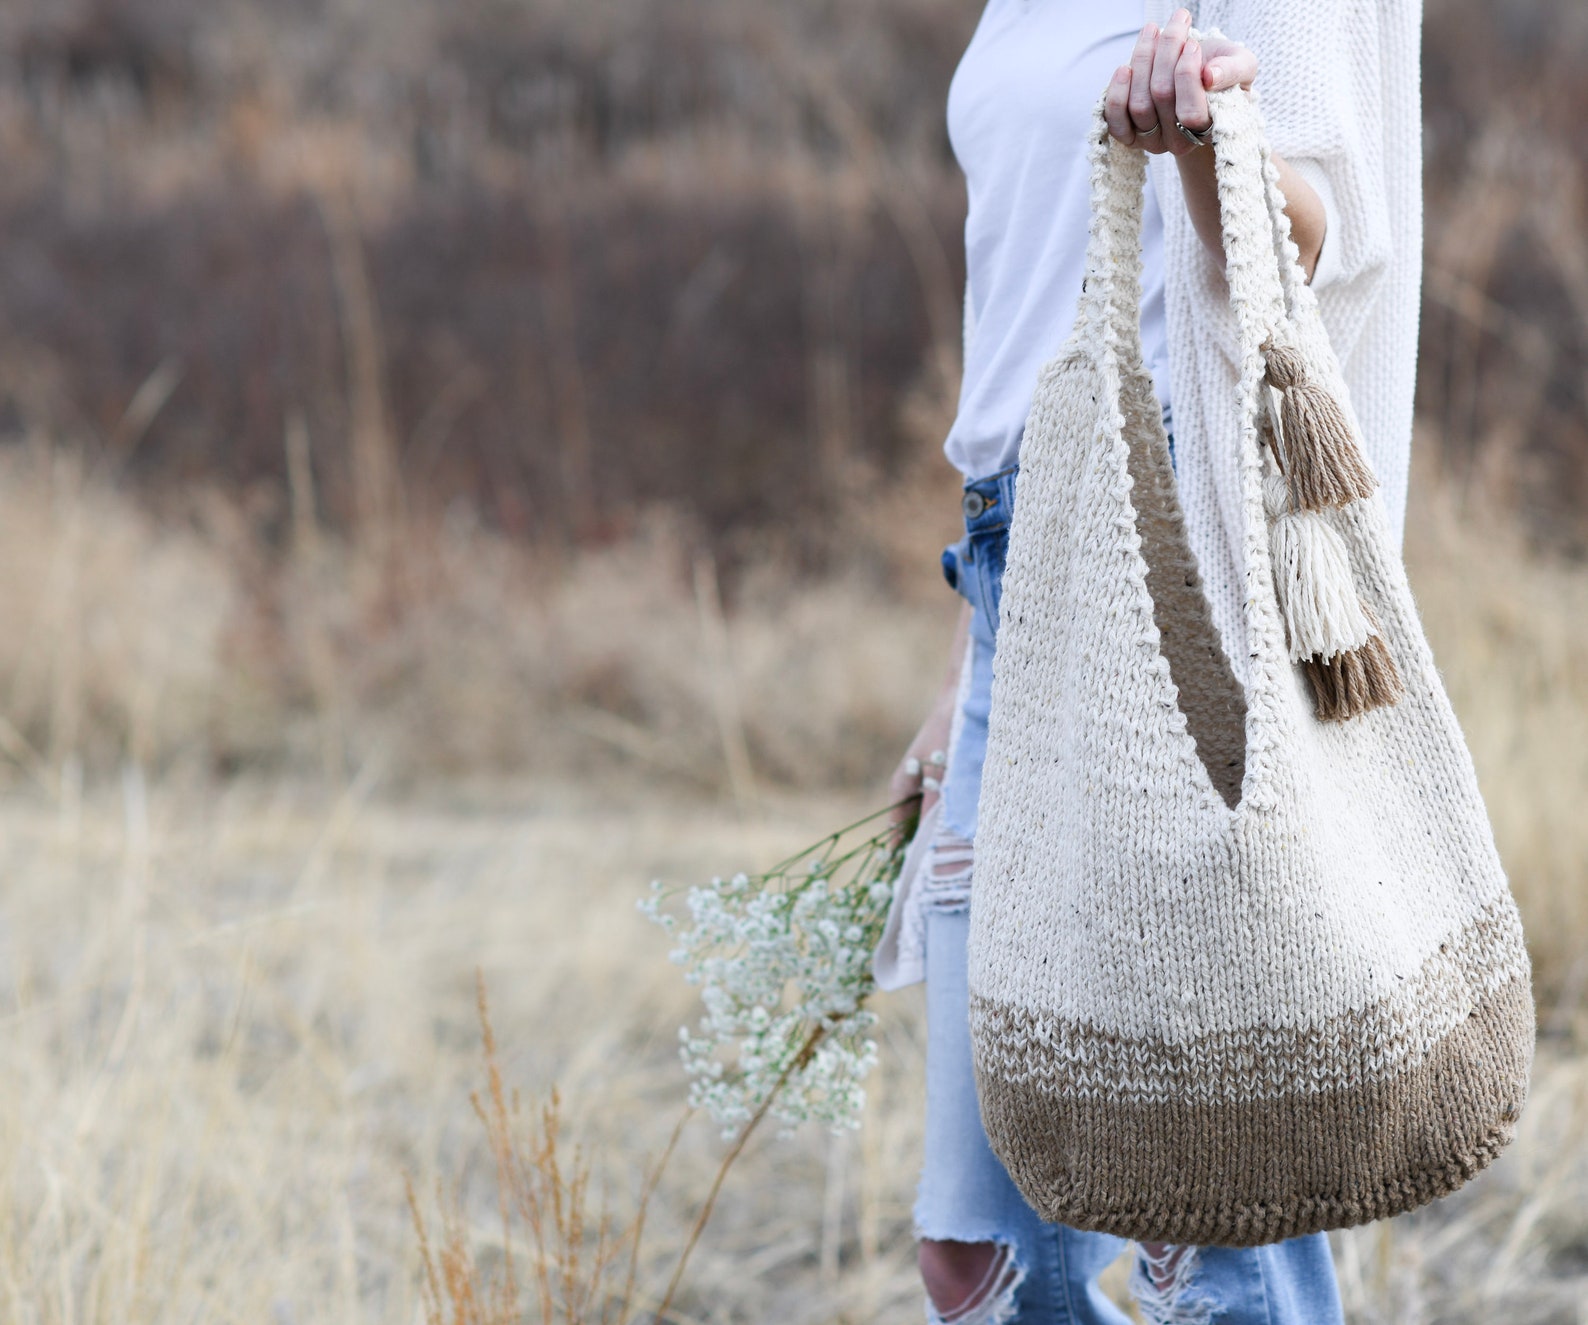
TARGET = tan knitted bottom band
x,y
1250,1172
1385,1039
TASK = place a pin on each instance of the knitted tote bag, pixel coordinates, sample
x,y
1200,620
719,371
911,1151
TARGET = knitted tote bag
x,y
1243,960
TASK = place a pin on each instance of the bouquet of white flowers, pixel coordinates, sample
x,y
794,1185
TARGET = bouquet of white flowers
x,y
783,963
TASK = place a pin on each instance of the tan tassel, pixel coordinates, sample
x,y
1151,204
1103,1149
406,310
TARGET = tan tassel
x,y
1356,682
1329,630
1323,464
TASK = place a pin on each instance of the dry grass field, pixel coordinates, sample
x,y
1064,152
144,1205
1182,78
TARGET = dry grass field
x,y
463,459
239,1010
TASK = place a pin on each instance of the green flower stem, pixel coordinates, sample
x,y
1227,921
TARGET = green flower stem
x,y
797,1063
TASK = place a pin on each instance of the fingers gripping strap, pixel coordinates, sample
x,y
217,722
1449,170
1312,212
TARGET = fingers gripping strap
x,y
1256,231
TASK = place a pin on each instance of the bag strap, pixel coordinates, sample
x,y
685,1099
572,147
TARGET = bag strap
x,y
1316,616
1262,266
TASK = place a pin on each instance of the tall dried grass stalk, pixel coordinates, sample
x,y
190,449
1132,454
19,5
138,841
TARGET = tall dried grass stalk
x,y
724,682
796,1064
376,471
582,1262
579,1263
308,564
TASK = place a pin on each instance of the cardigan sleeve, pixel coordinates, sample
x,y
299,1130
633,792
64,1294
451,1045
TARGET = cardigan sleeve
x,y
1338,82
1331,264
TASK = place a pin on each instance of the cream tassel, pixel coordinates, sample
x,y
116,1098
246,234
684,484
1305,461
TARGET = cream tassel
x,y
1330,630
1323,464
1312,576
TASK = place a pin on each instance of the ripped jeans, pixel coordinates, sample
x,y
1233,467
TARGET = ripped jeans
x,y
1047,1274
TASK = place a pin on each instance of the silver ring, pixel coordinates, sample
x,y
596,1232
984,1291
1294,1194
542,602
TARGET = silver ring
x,y
1148,133
1197,138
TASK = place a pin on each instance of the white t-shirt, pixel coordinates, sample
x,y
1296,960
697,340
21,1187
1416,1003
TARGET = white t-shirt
x,y
1019,111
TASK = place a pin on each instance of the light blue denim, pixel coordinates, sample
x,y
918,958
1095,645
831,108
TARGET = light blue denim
x,y
965,1193
974,567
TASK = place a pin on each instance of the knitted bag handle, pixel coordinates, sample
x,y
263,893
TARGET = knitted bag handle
x,y
1262,265
1328,628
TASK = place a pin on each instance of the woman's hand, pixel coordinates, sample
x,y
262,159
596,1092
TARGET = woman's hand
x,y
1167,81
920,772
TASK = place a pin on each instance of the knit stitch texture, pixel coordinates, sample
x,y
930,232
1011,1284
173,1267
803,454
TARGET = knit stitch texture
x,y
1236,974
1340,88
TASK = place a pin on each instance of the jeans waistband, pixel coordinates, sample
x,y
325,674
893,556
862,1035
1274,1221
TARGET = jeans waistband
x,y
974,565
988,503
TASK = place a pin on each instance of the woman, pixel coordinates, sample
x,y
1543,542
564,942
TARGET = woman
x,y
1339,90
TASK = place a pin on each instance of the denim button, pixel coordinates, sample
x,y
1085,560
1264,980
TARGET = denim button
x,y
974,504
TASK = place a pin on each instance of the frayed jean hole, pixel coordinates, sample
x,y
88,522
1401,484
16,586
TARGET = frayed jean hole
x,y
951,865
992,1301
1162,1283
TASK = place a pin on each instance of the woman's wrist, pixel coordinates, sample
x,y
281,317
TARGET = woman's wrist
x,y
1199,186
1309,220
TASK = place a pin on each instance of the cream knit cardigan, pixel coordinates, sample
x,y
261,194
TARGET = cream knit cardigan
x,y
1341,96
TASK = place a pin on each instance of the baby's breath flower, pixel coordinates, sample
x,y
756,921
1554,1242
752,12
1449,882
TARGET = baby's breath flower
x,y
783,963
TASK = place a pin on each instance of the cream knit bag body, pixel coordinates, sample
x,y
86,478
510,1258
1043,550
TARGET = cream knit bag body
x,y
1243,960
